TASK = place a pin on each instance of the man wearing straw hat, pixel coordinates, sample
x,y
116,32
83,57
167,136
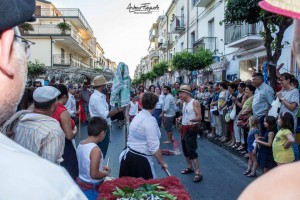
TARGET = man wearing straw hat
x,y
191,116
98,106
283,181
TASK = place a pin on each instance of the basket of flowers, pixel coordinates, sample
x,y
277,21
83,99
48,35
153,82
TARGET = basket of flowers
x,y
126,188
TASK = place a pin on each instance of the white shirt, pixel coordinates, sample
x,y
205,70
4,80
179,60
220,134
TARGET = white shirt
x,y
98,106
134,108
40,178
83,152
71,105
144,133
188,113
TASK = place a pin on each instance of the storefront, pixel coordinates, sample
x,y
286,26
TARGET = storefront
x,y
248,66
219,70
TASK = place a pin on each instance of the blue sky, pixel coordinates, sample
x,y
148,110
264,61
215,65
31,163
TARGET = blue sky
x,y
122,35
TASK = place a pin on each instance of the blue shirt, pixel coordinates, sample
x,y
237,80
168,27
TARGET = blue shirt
x,y
262,100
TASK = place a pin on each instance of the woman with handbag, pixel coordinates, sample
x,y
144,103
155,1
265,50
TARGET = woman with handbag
x,y
244,115
239,102
229,107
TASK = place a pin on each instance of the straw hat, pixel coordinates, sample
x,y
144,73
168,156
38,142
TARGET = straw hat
x,y
99,80
289,8
186,89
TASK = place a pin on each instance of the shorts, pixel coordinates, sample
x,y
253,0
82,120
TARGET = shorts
x,y
168,122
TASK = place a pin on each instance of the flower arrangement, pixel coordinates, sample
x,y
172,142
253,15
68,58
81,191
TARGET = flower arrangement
x,y
168,188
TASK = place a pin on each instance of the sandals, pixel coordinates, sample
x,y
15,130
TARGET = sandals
x,y
247,172
197,178
187,171
251,175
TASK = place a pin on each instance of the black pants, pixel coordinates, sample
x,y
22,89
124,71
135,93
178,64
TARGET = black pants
x,y
189,143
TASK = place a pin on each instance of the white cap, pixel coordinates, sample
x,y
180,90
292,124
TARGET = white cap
x,y
45,94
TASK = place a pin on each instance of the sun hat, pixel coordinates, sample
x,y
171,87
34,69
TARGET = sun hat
x,y
186,89
45,94
98,81
16,12
289,8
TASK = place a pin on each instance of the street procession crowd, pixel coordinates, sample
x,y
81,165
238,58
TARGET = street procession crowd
x,y
39,123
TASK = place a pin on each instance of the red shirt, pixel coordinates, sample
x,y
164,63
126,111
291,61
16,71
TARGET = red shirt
x,y
56,115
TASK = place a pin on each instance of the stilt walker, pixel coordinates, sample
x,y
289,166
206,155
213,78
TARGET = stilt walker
x,y
120,94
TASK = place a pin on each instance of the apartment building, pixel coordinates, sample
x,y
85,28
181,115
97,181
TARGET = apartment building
x,y
238,48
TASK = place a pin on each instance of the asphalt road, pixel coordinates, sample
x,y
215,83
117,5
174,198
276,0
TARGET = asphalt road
x,y
222,171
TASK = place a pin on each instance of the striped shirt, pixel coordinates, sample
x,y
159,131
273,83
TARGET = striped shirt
x,y
42,135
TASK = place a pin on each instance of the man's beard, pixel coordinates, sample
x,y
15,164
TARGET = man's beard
x,y
11,101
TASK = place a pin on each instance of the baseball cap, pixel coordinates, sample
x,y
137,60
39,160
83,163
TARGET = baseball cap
x,y
45,94
16,12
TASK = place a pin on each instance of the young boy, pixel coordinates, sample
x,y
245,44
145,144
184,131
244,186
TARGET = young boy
x,y
133,107
90,159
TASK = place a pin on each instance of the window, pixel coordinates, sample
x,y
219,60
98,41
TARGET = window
x,y
211,30
194,2
193,38
181,46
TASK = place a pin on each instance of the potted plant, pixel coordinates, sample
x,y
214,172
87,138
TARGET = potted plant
x,y
63,27
26,27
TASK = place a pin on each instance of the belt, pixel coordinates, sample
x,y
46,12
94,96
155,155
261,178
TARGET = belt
x,y
139,153
88,186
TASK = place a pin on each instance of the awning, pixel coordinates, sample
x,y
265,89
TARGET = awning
x,y
219,66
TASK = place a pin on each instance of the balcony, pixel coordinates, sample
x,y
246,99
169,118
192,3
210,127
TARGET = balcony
x,y
153,54
72,14
67,38
177,24
152,35
240,35
68,61
206,43
203,3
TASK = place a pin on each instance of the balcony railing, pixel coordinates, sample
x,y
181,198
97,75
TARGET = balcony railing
x,y
68,61
234,32
63,12
152,35
206,43
51,29
177,24
153,53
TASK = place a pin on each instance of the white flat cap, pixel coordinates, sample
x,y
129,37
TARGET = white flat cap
x,y
45,94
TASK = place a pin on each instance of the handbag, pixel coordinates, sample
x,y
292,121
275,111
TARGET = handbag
x,y
243,121
233,113
274,111
215,110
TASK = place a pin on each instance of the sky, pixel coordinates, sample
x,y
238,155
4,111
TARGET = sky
x,y
124,36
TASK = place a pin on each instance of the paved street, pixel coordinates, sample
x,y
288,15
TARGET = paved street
x,y
222,171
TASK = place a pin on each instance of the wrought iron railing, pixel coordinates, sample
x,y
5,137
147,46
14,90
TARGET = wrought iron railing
x,y
206,43
177,23
234,32
68,61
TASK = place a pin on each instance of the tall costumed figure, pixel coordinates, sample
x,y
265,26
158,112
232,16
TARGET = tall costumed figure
x,y
120,94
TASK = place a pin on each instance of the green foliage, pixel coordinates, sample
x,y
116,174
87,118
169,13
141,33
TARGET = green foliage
x,y
98,69
191,62
238,11
146,191
160,68
27,27
63,26
35,69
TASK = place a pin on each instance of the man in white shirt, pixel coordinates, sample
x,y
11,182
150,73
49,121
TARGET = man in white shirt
x,y
39,178
98,106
